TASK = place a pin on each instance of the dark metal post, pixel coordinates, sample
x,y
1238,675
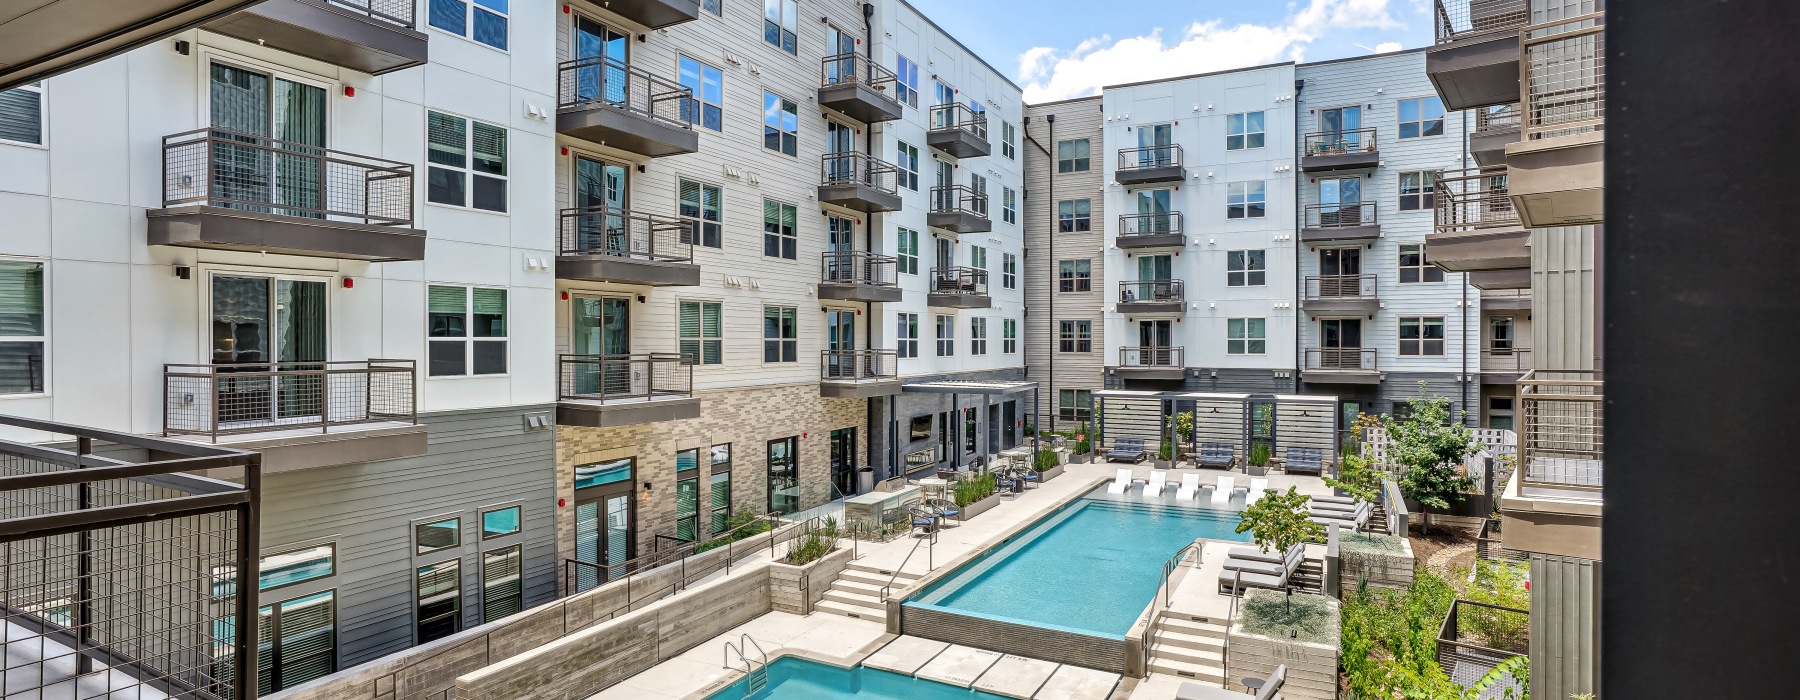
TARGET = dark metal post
x,y
1095,421
248,559
84,567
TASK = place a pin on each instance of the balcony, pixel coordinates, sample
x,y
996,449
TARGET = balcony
x,y
1552,503
1556,171
958,131
371,36
1486,280
227,190
299,415
1140,231
1151,363
1341,294
858,374
606,391
45,39
1349,149
1354,221
858,275
1152,298
1340,366
654,14
1475,62
1506,300
958,209
1495,127
607,244
859,87
959,288
611,103
1151,165
859,181
1504,365
1476,225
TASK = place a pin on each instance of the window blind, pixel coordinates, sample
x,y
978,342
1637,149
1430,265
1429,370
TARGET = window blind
x,y
446,138
22,116
21,299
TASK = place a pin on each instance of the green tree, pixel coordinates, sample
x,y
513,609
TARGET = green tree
x,y
1279,521
1430,448
1357,476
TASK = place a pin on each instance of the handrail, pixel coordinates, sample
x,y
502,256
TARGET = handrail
x,y
1154,224
959,198
745,643
851,68
398,12
1340,215
957,116
858,168
1349,359
624,233
959,280
1151,356
1460,19
605,378
932,540
1170,290
1563,76
1353,286
842,365
858,267
1237,590
230,398
657,559
1472,199
1145,157
1173,563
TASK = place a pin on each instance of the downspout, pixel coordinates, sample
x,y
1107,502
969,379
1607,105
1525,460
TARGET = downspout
x,y
1465,295
1299,223
1050,263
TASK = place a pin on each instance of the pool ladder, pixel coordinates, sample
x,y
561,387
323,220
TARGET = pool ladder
x,y
756,674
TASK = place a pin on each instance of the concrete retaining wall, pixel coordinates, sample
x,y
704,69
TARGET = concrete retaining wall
x,y
1311,668
1379,568
785,593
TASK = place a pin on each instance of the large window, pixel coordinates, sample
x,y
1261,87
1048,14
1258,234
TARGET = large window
x,y
1074,276
1413,267
467,331
1245,268
700,208
482,20
1417,190
702,333
1421,116
1421,335
1009,336
1244,200
22,115
1074,216
299,641
781,19
977,335
439,601
500,522
22,335
907,252
1074,404
909,165
720,488
906,81
1243,130
1072,156
502,588
1009,136
1075,336
467,162
1009,205
1009,271
687,507
784,475
437,536
780,239
946,335
298,565
978,257
706,108
781,334
1245,336
781,124
906,333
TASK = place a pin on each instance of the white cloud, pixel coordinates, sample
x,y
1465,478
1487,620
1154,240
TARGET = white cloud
x,y
1049,74
1387,47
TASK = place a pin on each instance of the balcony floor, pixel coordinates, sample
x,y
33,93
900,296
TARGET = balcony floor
x,y
289,449
219,228
613,413
859,389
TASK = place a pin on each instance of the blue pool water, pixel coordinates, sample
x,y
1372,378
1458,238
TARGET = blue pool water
x,y
1088,567
794,678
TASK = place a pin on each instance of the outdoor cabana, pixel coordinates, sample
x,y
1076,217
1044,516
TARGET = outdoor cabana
x,y
1306,422
1218,418
1120,414
987,430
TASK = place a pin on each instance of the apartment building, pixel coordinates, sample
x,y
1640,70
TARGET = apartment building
x,y
318,232
1065,342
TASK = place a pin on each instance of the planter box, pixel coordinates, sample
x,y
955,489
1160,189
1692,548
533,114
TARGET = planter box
x,y
1046,475
979,507
784,581
1382,560
1311,666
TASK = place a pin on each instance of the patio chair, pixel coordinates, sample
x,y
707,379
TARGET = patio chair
x,y
1290,560
1258,486
1222,492
1354,520
1008,484
1127,449
1217,454
1271,689
1251,574
924,519
1154,487
1190,484
1305,459
1120,482
944,508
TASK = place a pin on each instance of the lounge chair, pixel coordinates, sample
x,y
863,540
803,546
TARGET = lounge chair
x,y
1331,507
1222,492
1154,487
1253,574
1271,689
1190,484
1290,561
1346,500
1305,459
1353,521
1217,454
1254,554
1120,482
1131,449
1258,487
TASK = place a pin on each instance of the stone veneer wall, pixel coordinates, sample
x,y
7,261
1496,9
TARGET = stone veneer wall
x,y
784,581
747,418
1311,667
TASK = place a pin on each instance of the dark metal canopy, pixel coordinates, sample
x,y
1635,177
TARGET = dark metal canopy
x,y
42,38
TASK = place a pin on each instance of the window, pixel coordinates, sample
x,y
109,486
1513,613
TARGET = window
x,y
1009,336
295,566
439,600
781,18
906,331
978,257
1421,335
701,333
784,475
1245,268
482,20
687,509
909,166
22,335
907,82
1072,156
500,522
1243,130
946,335
706,108
299,641
1417,190
720,486
1008,136
1500,334
1009,271
716,7
908,252
978,186
22,114
588,476
1500,412
779,239
1244,200
1075,336
1009,205
502,590
1072,216
467,330
1073,404
1421,116
977,336
781,334
1413,267
700,209
1244,336
687,460
437,536
781,123
1074,276
467,162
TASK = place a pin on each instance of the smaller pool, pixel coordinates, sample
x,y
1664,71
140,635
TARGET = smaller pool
x,y
795,678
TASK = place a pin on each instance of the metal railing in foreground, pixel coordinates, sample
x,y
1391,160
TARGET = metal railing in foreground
x,y
1473,199
400,12
1563,76
257,397
1467,658
235,170
1561,429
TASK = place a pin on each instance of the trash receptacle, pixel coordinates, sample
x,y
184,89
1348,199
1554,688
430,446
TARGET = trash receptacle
x,y
865,480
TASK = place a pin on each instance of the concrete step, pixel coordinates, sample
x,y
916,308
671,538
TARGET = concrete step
x,y
1175,639
877,578
858,612
1188,671
871,603
863,566
1197,657
873,590
1173,623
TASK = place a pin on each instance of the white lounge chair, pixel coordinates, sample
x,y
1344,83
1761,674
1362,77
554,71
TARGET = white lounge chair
x,y
1222,492
1154,487
1258,487
1190,484
1120,482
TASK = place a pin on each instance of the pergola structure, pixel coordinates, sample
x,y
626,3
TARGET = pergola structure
x,y
1283,421
987,390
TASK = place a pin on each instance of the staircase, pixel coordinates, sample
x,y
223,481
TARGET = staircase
x,y
1189,649
1378,520
1310,577
857,592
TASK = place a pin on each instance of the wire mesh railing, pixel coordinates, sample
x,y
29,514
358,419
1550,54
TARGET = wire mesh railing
x,y
959,117
858,267
1323,287
1564,77
235,170
959,280
1340,143
958,199
1506,359
601,81
1150,356
624,377
1473,199
1476,637
1461,19
399,12
1159,224
854,68
254,397
624,233
1561,430
1150,291
856,168
1341,215
1496,118
855,365
1341,359
1148,157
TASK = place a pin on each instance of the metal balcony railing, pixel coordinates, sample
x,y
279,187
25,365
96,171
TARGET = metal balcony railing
x,y
1346,215
1467,659
860,169
1510,360
625,233
398,12
1150,356
1460,19
957,116
857,365
1561,429
606,378
959,199
1150,157
1150,290
599,81
1497,118
256,397
1473,199
1167,223
1340,143
1564,69
235,170
858,68
1361,286
959,280
858,267
1341,359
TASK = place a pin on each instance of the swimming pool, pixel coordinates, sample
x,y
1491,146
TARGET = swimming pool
x,y
1089,567
795,678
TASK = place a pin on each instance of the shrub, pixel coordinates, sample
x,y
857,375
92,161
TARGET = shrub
x,y
1045,461
813,545
1389,646
740,525
1275,614
1259,455
1279,520
975,488
1430,448
1503,584
1163,451
1357,477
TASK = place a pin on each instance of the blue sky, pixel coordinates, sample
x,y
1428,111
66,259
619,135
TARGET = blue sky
x,y
1058,49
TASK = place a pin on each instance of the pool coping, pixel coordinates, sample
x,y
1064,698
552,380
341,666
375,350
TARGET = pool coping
x,y
847,662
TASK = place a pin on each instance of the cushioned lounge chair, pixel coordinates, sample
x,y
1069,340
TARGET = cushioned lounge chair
x,y
1127,449
1220,455
1305,459
1271,689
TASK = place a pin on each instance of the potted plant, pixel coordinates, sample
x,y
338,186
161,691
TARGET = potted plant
x,y
976,494
1048,465
1259,459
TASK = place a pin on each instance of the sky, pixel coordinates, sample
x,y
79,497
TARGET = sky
x,y
1060,49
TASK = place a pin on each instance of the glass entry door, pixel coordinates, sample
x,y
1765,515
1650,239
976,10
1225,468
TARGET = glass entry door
x,y
1153,211
840,244
1156,268
840,335
281,124
603,190
605,77
839,43
1154,340
1154,142
1340,201
1342,123
843,461
266,324
1339,272
605,521
784,475
602,327
1342,343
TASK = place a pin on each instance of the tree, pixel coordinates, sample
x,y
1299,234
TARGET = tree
x,y
1430,448
1279,521
1357,476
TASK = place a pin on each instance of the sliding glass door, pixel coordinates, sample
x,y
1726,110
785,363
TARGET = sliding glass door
x,y
268,324
281,126
602,327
